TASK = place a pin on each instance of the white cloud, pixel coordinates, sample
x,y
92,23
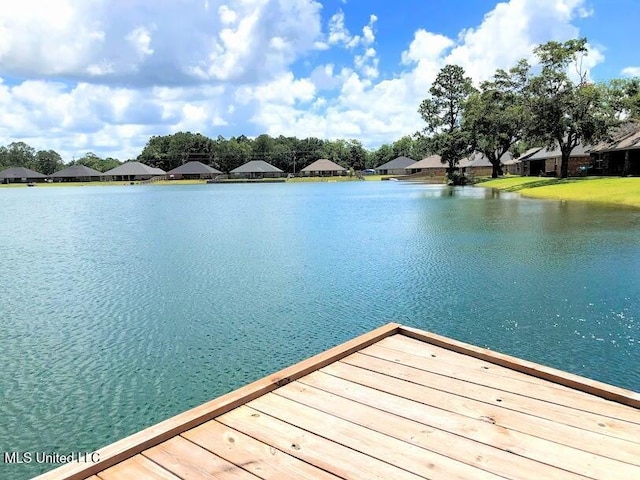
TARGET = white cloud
x,y
631,72
227,16
114,121
368,37
193,117
283,90
140,40
170,43
367,63
111,74
49,38
338,33
426,46
511,31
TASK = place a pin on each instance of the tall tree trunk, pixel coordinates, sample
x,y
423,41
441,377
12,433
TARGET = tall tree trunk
x,y
626,168
564,166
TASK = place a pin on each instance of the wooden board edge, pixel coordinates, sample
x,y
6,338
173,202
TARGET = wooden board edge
x,y
151,436
577,382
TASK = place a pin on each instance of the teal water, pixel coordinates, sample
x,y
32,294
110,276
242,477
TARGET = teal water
x,y
122,306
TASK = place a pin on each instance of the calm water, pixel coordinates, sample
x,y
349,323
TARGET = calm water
x,y
122,306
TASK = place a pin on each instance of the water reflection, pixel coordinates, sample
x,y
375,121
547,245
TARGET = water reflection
x,y
170,296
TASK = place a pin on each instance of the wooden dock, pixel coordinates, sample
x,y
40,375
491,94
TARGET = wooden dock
x,y
396,403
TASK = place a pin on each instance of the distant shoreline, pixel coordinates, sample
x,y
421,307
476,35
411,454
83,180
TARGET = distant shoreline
x,y
202,182
622,191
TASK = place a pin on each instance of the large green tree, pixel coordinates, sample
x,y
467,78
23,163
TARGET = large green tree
x,y
496,117
263,146
92,160
335,150
357,155
622,96
382,155
19,154
566,111
410,146
232,153
48,162
442,112
171,151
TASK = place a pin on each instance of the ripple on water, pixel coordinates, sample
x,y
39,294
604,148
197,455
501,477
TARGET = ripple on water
x,y
124,306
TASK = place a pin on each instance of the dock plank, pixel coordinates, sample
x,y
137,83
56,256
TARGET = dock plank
x,y
342,461
500,450
438,360
388,449
557,413
583,384
500,461
137,466
465,409
189,461
261,459
406,344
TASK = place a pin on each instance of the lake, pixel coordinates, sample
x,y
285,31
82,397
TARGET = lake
x,y
122,306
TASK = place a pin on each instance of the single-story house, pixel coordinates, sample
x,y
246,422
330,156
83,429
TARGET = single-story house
x,y
257,169
430,166
548,162
21,175
193,170
396,166
76,173
323,168
477,164
130,171
513,165
620,155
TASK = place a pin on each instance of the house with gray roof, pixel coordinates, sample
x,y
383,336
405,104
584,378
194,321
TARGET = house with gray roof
x,y
131,171
193,170
397,166
430,166
256,169
21,175
547,162
477,164
76,173
619,155
513,166
323,168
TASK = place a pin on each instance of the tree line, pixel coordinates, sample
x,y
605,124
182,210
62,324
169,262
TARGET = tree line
x,y
19,154
553,105
290,154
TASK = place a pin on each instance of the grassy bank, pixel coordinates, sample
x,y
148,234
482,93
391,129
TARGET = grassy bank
x,y
608,190
62,184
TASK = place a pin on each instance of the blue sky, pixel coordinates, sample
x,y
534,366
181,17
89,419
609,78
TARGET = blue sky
x,y
104,76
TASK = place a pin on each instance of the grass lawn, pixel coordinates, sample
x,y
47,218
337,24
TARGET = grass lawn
x,y
102,184
62,184
514,184
609,190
